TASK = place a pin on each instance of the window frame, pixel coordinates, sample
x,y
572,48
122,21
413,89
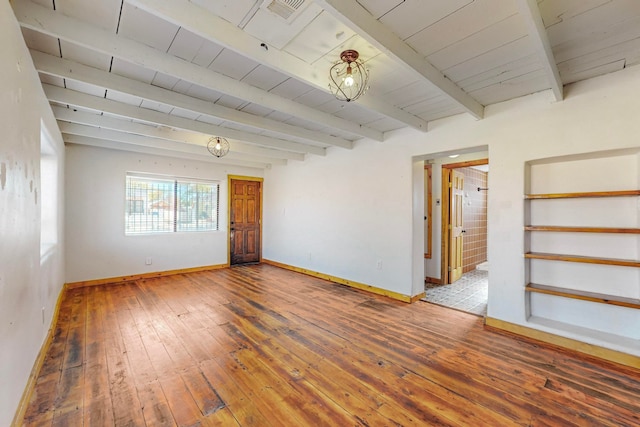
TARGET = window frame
x,y
171,201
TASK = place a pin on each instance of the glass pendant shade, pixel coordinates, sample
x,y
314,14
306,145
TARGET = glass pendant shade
x,y
218,146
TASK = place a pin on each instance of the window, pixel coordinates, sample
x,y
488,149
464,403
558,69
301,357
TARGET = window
x,y
48,192
156,204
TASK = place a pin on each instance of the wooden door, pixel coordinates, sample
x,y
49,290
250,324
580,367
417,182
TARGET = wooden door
x,y
244,221
456,200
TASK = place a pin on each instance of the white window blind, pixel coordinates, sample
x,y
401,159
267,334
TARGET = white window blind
x,y
158,204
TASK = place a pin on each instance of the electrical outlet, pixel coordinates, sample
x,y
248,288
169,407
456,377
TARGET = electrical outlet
x,y
379,264
148,261
43,315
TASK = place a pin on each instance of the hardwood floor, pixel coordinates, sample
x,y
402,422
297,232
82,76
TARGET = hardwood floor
x,y
261,346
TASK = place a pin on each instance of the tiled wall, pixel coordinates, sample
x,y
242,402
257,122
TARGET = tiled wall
x,y
475,219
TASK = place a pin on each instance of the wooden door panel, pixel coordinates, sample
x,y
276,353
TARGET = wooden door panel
x,y
238,211
457,205
252,215
245,221
250,241
238,241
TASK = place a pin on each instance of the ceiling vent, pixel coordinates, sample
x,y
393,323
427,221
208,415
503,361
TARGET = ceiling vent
x,y
286,9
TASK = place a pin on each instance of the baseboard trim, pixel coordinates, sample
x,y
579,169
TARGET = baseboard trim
x,y
350,283
434,280
417,297
120,279
18,419
566,343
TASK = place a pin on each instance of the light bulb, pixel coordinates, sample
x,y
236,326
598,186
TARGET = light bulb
x,y
218,145
348,81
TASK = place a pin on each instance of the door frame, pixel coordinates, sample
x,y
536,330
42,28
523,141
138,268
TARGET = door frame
x,y
445,219
242,178
428,169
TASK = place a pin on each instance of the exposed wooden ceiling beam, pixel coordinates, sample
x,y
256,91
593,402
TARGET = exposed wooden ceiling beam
x,y
78,99
69,115
145,141
116,145
43,20
213,28
538,34
55,66
352,14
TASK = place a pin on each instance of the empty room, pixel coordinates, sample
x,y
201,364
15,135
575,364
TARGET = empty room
x,y
320,213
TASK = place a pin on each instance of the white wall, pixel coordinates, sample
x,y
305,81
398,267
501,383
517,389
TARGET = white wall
x,y
29,283
97,247
342,213
352,208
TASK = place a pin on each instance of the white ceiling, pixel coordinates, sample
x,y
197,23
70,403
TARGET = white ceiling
x,y
164,75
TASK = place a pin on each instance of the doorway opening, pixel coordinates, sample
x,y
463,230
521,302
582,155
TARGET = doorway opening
x,y
464,275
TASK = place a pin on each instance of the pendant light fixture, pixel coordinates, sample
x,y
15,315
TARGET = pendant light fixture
x,y
218,146
349,78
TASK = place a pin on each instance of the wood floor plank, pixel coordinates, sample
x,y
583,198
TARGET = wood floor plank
x,y
99,412
598,402
137,357
517,384
56,355
69,402
223,418
41,421
94,332
295,393
199,346
163,321
257,387
70,418
74,348
159,357
127,409
202,391
42,401
259,345
155,408
244,409
97,396
183,407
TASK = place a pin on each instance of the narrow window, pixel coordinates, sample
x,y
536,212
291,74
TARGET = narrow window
x,y
48,189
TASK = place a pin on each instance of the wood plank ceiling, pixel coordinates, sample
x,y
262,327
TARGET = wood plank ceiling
x,y
162,76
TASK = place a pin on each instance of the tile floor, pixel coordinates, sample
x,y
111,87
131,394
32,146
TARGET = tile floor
x,y
469,293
